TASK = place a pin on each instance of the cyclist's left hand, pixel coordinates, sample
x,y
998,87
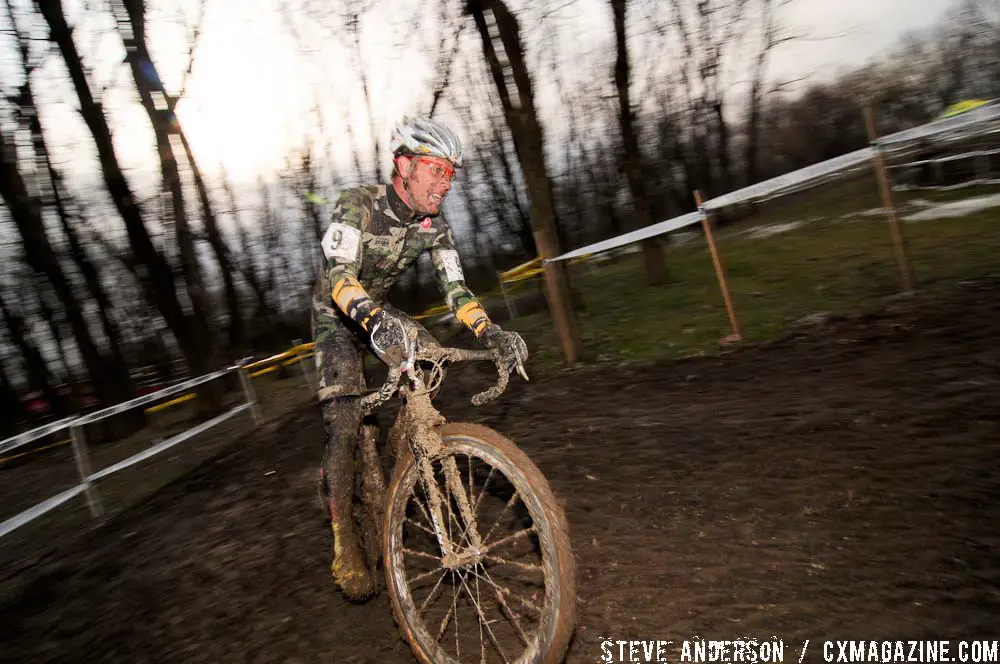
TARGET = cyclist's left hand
x,y
513,350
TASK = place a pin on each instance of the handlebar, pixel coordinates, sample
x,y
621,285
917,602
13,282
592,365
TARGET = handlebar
x,y
438,355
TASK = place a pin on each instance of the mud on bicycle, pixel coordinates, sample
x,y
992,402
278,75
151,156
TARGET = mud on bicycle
x,y
468,537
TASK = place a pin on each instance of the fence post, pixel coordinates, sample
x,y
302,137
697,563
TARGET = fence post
x,y
248,392
885,188
83,467
720,272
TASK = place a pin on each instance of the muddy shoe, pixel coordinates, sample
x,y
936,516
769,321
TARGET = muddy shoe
x,y
350,571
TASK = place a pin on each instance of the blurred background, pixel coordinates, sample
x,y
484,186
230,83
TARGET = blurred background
x,y
169,166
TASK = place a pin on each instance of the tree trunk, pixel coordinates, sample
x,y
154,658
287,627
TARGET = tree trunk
x,y
524,230
10,404
753,133
156,276
132,26
38,374
502,200
651,251
55,329
769,39
237,327
119,366
354,28
519,109
26,212
263,315
110,377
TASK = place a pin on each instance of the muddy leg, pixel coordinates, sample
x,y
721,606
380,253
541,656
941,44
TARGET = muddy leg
x,y
342,418
372,491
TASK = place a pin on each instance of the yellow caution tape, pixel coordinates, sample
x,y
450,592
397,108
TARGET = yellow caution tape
x,y
36,449
172,402
961,107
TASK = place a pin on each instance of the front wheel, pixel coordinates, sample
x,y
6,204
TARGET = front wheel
x,y
504,590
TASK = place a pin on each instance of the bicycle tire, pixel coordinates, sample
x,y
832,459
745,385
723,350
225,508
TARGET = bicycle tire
x,y
544,509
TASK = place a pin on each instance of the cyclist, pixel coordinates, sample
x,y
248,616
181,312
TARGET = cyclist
x,y
376,232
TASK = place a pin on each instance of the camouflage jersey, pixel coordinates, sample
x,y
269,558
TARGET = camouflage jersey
x,y
372,239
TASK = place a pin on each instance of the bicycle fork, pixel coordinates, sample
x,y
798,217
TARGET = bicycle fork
x,y
425,442
453,553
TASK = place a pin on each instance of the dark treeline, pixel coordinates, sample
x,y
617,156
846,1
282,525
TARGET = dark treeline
x,y
106,285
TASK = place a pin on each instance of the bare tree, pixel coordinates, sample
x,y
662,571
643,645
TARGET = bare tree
x,y
110,374
223,255
10,404
652,253
504,52
37,372
155,274
26,211
772,36
353,11
447,54
131,18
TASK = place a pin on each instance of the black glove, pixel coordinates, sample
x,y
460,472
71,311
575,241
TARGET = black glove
x,y
513,350
388,338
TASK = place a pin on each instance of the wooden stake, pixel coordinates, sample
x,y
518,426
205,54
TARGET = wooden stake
x,y
557,294
895,230
720,273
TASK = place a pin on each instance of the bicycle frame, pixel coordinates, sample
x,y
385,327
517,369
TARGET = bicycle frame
x,y
416,424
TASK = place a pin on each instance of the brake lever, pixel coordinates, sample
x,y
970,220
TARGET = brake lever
x,y
521,372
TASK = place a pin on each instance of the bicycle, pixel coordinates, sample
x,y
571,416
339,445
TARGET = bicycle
x,y
427,528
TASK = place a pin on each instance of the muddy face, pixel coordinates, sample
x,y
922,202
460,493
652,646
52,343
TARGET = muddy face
x,y
429,182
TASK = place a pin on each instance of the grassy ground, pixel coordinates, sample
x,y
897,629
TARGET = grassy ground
x,y
838,260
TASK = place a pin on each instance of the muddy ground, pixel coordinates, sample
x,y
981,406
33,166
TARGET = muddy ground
x,y
841,483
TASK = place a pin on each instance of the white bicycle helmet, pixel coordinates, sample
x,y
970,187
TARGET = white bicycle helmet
x,y
424,137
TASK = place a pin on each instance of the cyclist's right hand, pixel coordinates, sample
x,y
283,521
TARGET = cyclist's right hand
x,y
388,338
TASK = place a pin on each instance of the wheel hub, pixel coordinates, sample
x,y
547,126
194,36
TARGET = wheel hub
x,y
466,558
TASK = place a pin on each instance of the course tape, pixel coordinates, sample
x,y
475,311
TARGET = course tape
x,y
32,513
29,436
150,398
168,443
813,174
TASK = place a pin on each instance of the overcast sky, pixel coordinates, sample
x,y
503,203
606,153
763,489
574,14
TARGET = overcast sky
x,y
252,90
870,27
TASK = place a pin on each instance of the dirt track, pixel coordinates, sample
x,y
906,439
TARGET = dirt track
x,y
840,484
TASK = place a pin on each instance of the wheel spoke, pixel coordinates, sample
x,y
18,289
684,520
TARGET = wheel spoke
x,y
423,508
421,554
472,491
510,538
425,575
500,562
447,617
483,620
503,603
507,591
454,606
486,483
423,607
421,527
500,516
482,643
